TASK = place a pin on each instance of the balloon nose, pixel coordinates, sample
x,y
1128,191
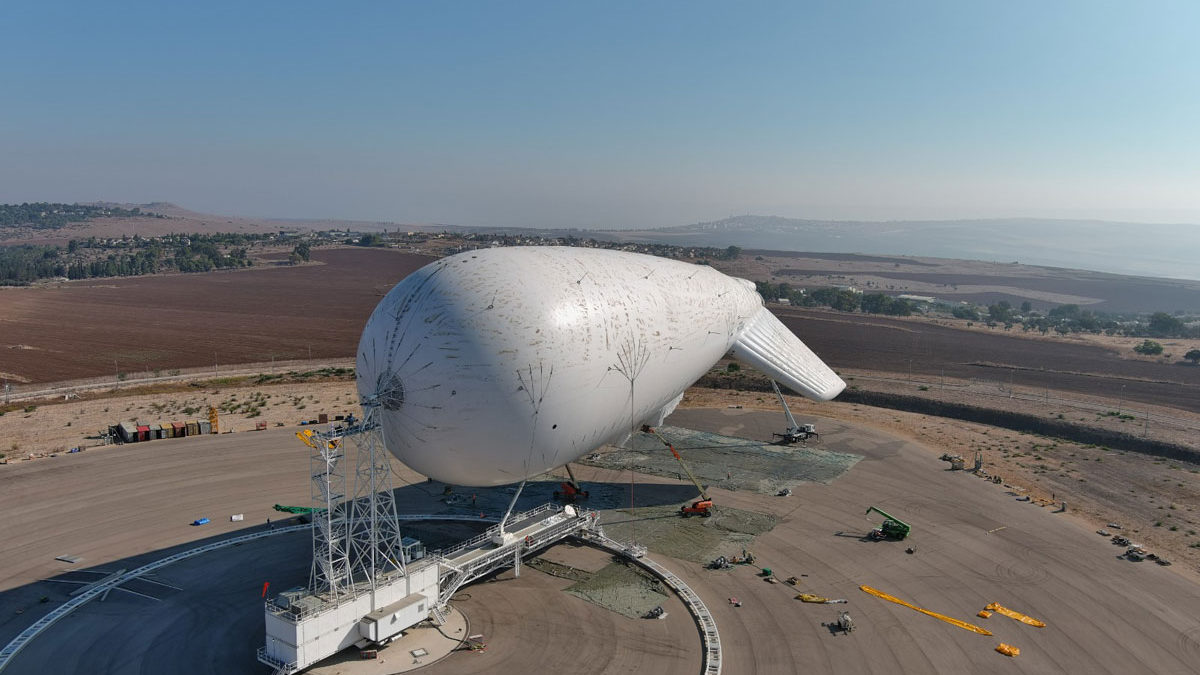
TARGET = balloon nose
x,y
389,391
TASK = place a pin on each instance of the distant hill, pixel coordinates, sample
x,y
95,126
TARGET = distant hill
x,y
53,216
1160,250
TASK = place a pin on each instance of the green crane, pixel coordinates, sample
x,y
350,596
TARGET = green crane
x,y
892,528
294,509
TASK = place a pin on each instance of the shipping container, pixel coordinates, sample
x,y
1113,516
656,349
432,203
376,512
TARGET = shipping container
x,y
205,427
179,429
155,432
193,428
128,432
323,418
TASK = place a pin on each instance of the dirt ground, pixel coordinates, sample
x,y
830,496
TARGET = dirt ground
x,y
1101,485
1157,500
55,429
147,325
909,347
974,543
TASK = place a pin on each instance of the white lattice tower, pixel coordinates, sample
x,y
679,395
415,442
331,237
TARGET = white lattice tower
x,y
331,555
374,529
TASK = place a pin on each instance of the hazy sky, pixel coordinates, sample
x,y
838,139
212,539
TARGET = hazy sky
x,y
606,114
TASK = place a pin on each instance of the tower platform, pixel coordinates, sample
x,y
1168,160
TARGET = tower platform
x,y
303,627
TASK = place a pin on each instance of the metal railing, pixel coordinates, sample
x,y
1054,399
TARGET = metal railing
x,y
710,664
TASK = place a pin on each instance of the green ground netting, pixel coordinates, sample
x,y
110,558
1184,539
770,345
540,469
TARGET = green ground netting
x,y
623,589
662,530
726,462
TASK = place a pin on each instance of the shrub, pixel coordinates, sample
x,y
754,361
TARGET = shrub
x,y
1149,348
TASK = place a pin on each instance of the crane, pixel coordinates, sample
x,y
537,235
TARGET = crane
x,y
892,527
701,507
570,490
794,432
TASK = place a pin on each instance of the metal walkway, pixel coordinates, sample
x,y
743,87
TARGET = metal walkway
x,y
534,529
711,639
531,530
107,585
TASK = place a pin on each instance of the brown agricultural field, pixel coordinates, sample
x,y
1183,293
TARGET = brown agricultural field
x,y
97,328
920,347
104,326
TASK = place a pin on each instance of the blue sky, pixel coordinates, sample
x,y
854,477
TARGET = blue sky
x,y
606,114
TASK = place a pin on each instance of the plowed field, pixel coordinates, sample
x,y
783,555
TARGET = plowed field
x,y
140,325
105,326
922,348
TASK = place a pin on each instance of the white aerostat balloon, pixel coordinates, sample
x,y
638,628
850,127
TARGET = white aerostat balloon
x,y
496,365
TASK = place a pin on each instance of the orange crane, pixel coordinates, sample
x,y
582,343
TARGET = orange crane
x,y
570,490
701,507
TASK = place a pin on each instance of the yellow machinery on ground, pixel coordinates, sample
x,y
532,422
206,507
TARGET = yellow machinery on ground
x,y
950,620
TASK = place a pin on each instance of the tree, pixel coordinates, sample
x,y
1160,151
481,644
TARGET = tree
x,y
1193,356
1149,348
965,312
1026,307
1065,312
1000,312
1165,325
731,253
303,251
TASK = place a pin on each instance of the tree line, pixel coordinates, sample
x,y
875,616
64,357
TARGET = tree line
x,y
1063,319
52,216
129,256
841,299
